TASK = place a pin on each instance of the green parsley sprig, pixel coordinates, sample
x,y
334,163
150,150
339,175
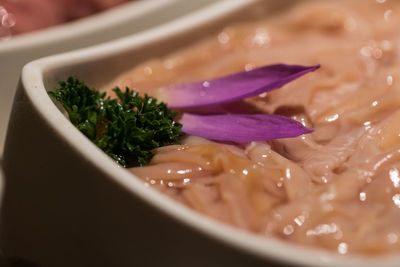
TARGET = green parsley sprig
x,y
127,128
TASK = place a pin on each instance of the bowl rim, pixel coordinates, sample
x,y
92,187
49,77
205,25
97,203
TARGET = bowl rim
x,y
268,249
108,18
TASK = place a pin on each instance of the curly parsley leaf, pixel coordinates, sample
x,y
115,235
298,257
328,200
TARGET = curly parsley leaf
x,y
127,128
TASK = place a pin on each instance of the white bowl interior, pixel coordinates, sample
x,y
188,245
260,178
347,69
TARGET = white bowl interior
x,y
116,57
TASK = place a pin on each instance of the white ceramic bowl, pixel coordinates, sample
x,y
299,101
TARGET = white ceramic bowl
x,y
2,259
1,185
69,204
108,25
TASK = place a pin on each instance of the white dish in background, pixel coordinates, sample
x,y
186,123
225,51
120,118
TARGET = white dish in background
x,y
69,204
120,21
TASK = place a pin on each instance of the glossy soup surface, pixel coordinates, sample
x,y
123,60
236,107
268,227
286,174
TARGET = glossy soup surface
x,y
337,188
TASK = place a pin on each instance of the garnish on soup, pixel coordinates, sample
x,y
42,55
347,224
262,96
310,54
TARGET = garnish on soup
x,y
233,87
127,128
242,128
130,127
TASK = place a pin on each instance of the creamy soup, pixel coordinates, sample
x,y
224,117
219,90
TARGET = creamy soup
x,y
337,188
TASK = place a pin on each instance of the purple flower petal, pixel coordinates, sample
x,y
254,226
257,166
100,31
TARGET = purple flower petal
x,y
232,87
241,128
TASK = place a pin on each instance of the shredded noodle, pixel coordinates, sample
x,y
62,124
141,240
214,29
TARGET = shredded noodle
x,y
338,188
